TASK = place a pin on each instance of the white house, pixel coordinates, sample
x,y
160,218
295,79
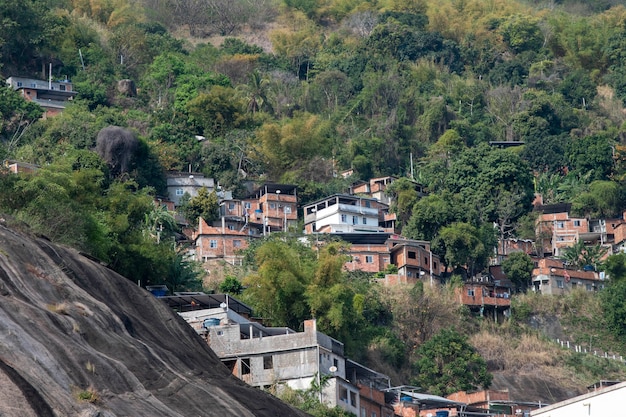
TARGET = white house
x,y
265,356
342,213
606,401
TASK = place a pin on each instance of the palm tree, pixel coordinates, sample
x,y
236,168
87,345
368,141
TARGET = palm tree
x,y
256,93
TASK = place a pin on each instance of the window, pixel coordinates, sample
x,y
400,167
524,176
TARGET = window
x,y
272,206
247,205
470,292
412,255
588,287
231,206
179,191
287,209
559,283
560,225
335,362
62,87
237,243
369,259
363,412
577,223
19,83
355,220
425,260
353,398
213,243
231,227
245,366
343,394
367,204
344,218
364,220
435,265
373,413
268,362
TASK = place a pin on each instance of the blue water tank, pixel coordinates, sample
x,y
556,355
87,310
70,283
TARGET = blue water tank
x,y
210,322
442,413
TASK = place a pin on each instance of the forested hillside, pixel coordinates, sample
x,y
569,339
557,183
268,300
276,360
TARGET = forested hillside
x,y
298,92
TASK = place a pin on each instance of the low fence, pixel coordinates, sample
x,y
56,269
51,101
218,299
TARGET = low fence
x,y
566,344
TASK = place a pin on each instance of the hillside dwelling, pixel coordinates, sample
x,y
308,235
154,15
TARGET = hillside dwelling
x,y
181,183
343,213
616,233
414,259
487,297
265,356
375,252
408,401
511,245
550,276
221,243
269,208
371,386
368,252
492,403
53,96
18,167
606,401
557,229
376,188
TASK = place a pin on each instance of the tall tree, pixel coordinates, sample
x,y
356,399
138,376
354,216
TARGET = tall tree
x,y
448,363
276,290
204,205
464,247
518,267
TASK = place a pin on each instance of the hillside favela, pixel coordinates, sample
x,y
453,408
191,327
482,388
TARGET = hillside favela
x,y
327,208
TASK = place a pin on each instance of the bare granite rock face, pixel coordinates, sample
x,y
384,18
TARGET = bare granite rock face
x,y
77,339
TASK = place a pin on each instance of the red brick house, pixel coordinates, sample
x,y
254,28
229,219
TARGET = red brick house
x,y
219,243
274,206
496,402
486,296
374,252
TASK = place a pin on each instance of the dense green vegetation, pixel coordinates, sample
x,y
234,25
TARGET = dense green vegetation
x,y
384,87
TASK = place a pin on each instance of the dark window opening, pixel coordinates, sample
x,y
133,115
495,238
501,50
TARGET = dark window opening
x,y
245,366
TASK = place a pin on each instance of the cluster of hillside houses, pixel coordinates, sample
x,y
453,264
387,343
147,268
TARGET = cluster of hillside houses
x,y
268,356
362,217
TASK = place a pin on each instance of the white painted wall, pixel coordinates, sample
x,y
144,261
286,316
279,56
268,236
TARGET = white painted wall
x,y
607,402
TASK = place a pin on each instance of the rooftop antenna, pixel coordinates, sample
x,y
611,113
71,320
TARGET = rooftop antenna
x,y
50,77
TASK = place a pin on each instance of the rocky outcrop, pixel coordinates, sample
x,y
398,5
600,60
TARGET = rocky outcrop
x,y
77,339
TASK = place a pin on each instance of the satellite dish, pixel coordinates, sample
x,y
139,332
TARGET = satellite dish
x,y
333,369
